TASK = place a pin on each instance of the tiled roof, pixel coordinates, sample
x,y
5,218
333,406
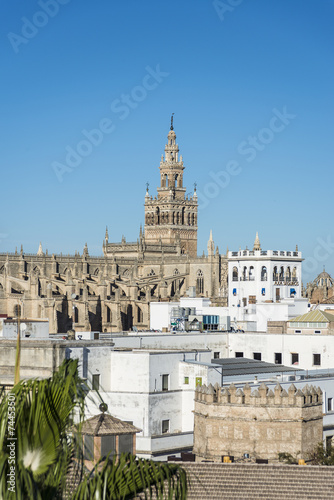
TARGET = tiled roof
x,y
218,481
316,316
106,425
253,481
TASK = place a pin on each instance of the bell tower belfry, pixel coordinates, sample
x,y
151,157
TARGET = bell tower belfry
x,y
171,216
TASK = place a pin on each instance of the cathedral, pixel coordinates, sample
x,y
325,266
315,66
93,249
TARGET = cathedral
x,y
113,292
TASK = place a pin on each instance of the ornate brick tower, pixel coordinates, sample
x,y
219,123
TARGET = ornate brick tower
x,y
171,217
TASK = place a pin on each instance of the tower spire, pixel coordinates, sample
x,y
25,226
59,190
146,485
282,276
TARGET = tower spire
x,y
257,244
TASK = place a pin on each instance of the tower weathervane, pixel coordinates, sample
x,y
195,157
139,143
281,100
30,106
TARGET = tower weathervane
x,y
195,186
171,122
147,185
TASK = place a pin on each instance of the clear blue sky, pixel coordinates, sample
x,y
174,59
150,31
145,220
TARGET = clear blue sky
x,y
226,75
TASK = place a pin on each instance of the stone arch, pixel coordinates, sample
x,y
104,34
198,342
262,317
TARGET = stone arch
x,y
281,273
244,273
235,273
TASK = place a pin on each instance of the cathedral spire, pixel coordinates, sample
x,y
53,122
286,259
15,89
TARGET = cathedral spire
x,y
211,245
257,244
40,249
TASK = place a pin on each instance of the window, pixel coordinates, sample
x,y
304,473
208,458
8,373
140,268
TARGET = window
x,y
89,447
165,382
125,443
298,331
317,331
239,354
316,359
108,445
294,358
198,381
96,382
257,355
186,380
216,355
330,406
165,426
278,358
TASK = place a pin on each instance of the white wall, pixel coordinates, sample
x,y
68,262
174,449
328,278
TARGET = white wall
x,y
28,329
268,344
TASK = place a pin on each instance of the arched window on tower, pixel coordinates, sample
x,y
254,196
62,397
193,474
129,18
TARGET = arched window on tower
x,y
200,283
275,274
264,273
183,217
294,275
192,219
157,213
189,219
175,180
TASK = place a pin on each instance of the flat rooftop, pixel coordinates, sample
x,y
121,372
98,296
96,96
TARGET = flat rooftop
x,y
247,366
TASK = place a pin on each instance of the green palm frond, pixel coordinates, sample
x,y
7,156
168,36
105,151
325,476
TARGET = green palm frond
x,y
127,476
48,448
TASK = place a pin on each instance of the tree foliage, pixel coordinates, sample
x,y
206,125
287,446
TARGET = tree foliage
x,y
48,451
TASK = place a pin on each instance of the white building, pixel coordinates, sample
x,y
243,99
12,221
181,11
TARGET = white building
x,y
263,275
151,388
29,328
169,316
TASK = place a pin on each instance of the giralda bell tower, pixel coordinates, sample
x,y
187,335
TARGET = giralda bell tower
x,y
172,216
